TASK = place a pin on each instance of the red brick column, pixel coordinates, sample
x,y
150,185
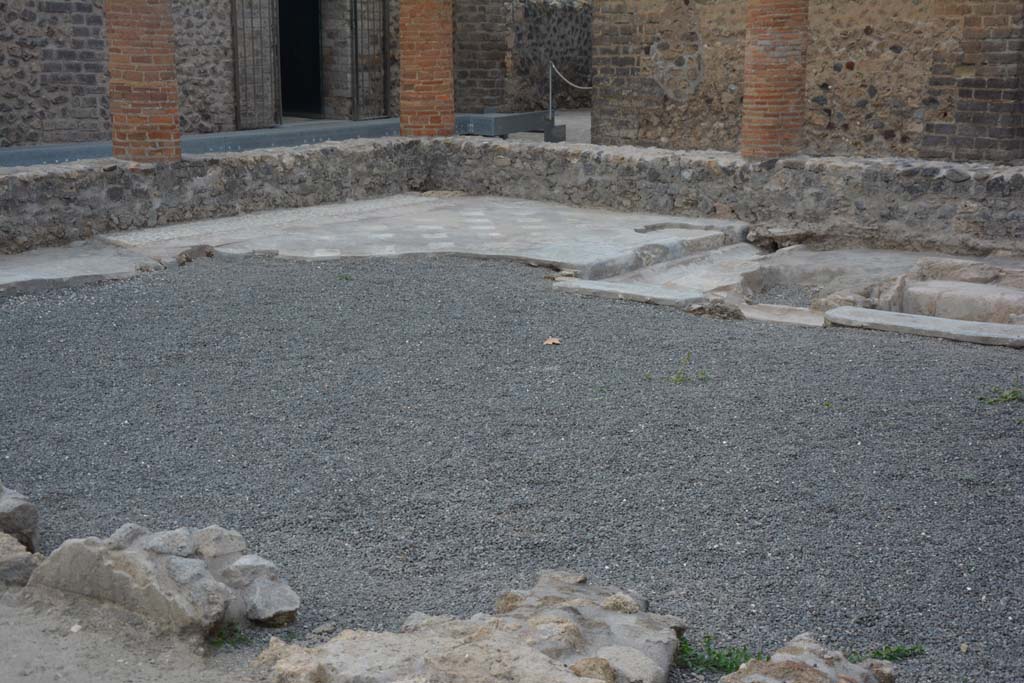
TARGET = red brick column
x,y
143,83
774,77
427,104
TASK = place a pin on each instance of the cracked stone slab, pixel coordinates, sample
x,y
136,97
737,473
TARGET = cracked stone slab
x,y
632,291
75,264
992,334
787,315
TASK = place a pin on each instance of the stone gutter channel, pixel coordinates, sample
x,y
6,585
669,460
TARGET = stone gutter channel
x,y
705,231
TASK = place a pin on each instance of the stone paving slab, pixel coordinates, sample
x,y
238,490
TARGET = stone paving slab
x,y
787,315
75,264
596,243
993,334
626,291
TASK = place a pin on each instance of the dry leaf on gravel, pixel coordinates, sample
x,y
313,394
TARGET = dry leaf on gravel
x,y
552,341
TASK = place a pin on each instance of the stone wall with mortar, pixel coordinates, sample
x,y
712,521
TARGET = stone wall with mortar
x,y
41,205
544,31
882,75
205,65
503,47
825,201
832,201
53,72
481,46
54,76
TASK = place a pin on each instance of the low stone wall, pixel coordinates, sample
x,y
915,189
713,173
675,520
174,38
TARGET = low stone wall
x,y
831,201
834,201
45,205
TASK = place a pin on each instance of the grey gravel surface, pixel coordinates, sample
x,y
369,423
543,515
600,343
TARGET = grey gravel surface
x,y
396,436
786,295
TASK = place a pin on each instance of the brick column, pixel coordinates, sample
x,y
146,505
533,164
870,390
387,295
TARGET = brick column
x,y
427,100
143,83
774,77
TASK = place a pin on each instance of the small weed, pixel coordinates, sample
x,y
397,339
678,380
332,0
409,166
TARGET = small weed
x,y
892,653
345,277
711,658
682,374
229,635
1000,396
648,377
827,404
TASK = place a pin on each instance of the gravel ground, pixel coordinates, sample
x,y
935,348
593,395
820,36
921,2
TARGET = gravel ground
x,y
786,295
396,436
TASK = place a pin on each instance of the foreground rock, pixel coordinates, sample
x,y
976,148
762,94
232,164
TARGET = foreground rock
x,y
185,580
19,518
16,562
803,660
561,630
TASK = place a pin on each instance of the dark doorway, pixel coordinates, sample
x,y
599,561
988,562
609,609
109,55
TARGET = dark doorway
x,y
300,58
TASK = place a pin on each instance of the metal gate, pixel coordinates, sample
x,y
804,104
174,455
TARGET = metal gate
x,y
257,63
370,59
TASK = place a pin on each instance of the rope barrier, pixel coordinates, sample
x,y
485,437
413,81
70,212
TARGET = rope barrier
x,y
552,69
578,87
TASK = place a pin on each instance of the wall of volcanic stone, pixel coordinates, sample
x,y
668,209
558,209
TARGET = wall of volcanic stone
x,y
503,47
205,65
884,77
53,72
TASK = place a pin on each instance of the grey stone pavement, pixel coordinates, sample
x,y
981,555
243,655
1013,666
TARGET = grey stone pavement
x,y
594,243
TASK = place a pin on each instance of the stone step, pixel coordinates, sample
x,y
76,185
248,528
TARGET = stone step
x,y
993,334
75,264
660,248
627,291
736,231
964,301
717,269
787,315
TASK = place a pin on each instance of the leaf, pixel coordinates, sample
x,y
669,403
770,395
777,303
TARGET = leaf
x,y
552,341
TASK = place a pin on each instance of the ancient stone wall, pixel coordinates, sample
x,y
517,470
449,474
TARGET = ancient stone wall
x,y
545,31
53,72
930,78
828,201
481,46
205,65
979,82
832,201
503,47
668,74
869,66
42,205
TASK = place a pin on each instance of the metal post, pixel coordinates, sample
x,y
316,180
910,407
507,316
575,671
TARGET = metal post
x,y
551,92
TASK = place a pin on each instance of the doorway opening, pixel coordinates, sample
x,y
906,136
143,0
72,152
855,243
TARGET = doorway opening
x,y
301,94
